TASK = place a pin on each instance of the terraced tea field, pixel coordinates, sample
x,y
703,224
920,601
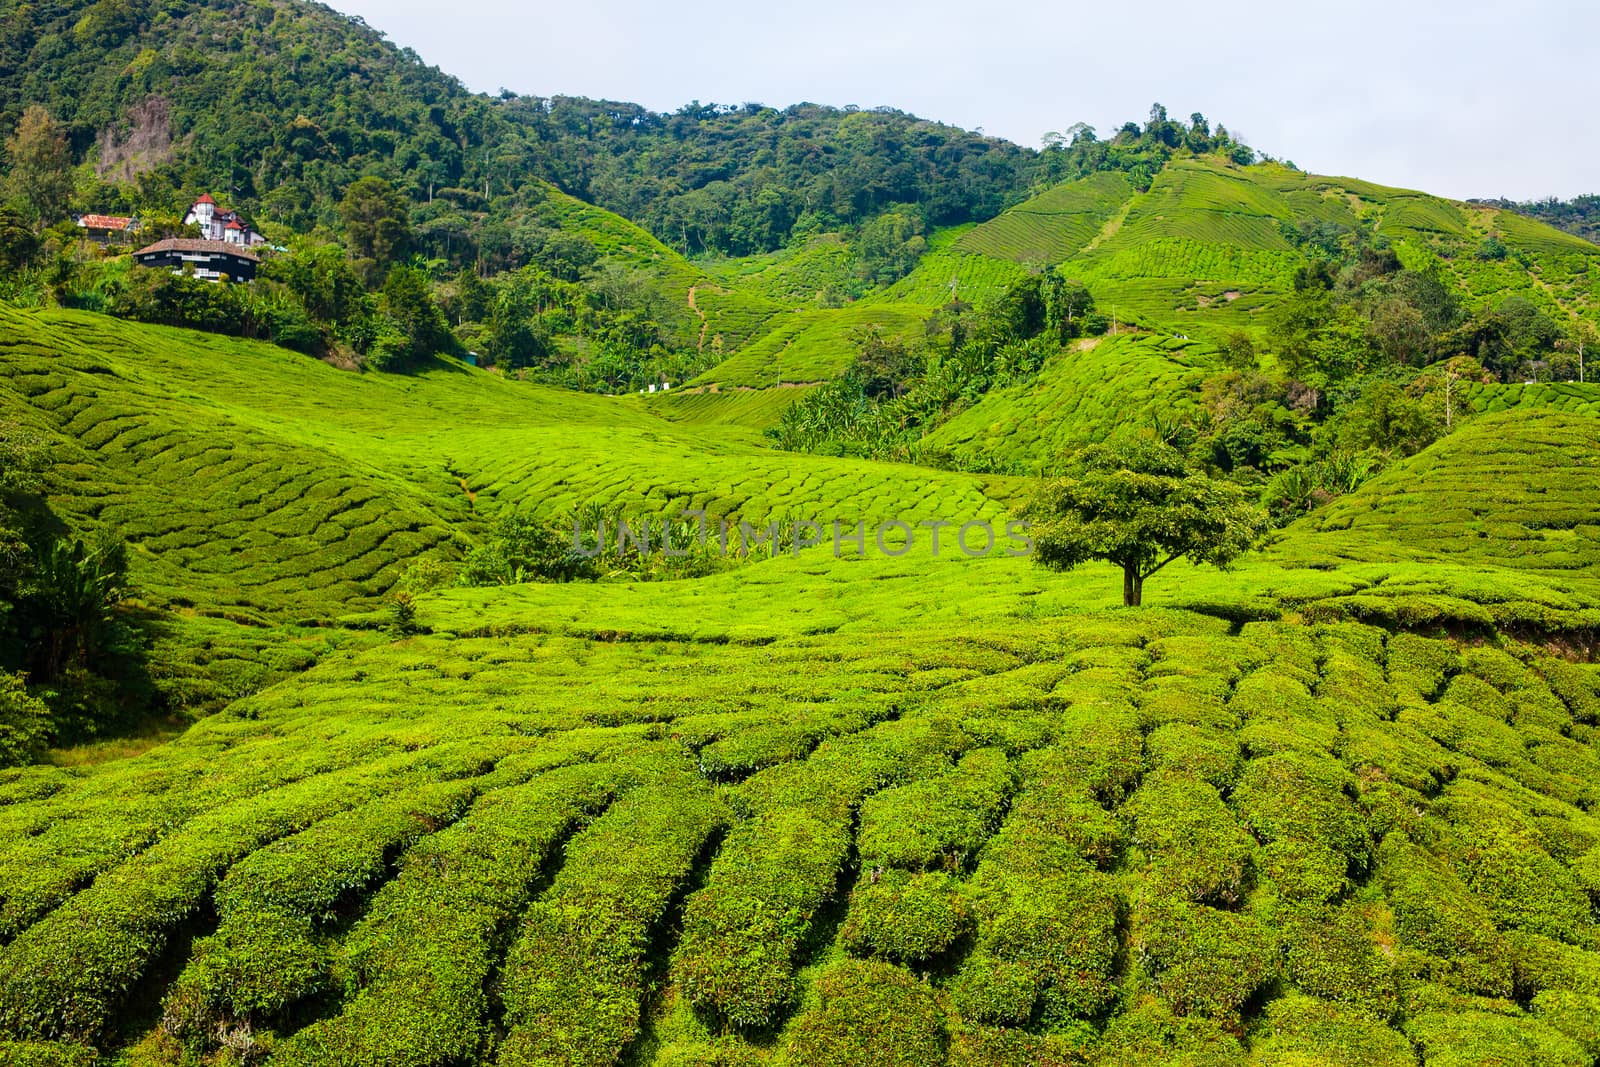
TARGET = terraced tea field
x,y
1333,807
268,487
1096,837
1081,396
1507,491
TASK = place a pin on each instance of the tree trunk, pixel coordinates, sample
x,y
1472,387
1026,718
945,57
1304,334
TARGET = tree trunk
x,y
1132,587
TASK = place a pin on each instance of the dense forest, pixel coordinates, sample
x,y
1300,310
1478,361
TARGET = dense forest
x,y
166,96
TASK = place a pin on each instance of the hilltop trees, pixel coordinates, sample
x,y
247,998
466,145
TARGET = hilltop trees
x,y
377,224
39,163
1140,505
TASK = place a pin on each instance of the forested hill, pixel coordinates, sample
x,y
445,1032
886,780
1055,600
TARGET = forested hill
x,y
280,104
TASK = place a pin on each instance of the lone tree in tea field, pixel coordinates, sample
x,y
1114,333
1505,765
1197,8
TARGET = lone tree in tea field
x,y
1140,505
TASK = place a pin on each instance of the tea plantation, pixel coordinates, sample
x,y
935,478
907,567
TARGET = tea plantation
x,y
1334,807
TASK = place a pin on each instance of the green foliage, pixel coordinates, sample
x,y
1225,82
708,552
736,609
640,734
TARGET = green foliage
x,y
419,958
936,822
575,977
1436,914
1306,1030
1300,802
376,222
867,1012
898,390
24,723
1204,961
39,167
525,549
1332,952
416,328
1139,506
18,243
1197,851
1455,1040
905,917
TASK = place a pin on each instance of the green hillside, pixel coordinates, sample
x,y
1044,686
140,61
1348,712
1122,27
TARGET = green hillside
x,y
1514,489
328,740
807,810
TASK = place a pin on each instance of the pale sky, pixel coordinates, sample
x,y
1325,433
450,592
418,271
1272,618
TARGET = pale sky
x,y
1460,99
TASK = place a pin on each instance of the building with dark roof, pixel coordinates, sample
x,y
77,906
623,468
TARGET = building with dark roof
x,y
208,260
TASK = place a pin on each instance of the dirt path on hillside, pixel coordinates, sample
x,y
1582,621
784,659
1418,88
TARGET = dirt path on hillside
x,y
713,388
1113,224
705,323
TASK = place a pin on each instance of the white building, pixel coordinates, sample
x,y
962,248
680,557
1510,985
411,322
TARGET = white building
x,y
218,225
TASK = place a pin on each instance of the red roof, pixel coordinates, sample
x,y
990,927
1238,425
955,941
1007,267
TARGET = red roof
x,y
205,200
235,225
104,222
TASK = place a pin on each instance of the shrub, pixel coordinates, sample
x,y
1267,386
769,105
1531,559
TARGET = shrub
x,y
867,1012
1437,915
69,973
1577,1015
1209,755
1527,890
1047,933
1150,1033
1331,953
1468,1039
937,822
974,1045
574,979
418,962
781,863
1102,748
24,723
246,971
1270,698
1420,666
1298,800
46,1054
524,549
1204,961
1196,849
265,955
1307,1030
905,917
1541,963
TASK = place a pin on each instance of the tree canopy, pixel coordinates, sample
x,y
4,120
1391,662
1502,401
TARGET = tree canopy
x,y
1139,505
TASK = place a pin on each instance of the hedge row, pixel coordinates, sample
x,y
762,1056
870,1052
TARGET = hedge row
x,y
574,980
781,862
53,849
265,955
1299,805
1195,848
905,917
1047,919
419,960
867,1012
67,975
1205,961
937,823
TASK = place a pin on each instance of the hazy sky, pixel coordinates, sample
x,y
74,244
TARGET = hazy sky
x,y
1461,99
